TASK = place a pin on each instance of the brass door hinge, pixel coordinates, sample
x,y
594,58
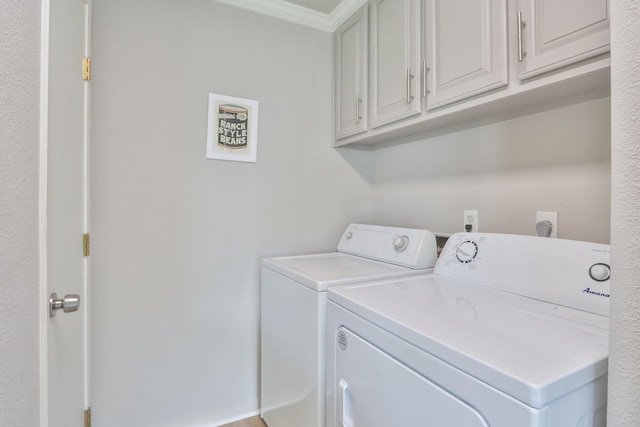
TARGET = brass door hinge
x,y
86,68
86,244
87,417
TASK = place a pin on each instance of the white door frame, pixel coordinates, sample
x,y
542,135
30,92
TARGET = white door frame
x,y
42,212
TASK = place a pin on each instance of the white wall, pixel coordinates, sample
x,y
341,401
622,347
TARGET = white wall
x,y
624,359
19,133
176,238
553,161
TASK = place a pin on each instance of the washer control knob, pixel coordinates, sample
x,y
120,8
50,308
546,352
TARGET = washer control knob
x,y
600,272
400,243
467,251
349,235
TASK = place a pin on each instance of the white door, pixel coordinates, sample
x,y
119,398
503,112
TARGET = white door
x,y
466,48
65,268
395,52
351,66
373,389
558,33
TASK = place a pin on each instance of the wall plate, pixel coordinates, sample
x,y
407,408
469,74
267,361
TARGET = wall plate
x,y
552,217
471,218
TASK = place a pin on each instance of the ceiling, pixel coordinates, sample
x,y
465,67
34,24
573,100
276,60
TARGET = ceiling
x,y
325,15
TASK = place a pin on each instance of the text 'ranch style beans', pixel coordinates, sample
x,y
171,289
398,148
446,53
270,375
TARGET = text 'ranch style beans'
x,y
232,126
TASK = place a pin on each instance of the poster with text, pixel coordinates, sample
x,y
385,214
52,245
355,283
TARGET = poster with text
x,y
232,131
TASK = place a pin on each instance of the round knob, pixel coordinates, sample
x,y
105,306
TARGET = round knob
x,y
68,304
349,235
400,243
600,272
466,251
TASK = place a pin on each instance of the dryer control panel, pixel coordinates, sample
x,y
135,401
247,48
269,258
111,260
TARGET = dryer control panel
x,y
564,272
408,247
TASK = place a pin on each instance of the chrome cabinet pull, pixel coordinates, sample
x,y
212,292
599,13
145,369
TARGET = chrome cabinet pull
x,y
409,77
425,70
521,25
358,117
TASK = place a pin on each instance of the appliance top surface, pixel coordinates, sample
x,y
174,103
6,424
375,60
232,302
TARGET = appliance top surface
x,y
532,350
319,271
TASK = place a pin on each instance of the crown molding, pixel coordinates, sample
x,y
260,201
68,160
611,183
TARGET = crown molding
x,y
301,15
345,9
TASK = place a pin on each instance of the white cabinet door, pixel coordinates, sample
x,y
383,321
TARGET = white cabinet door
x,y
555,33
466,49
351,85
395,52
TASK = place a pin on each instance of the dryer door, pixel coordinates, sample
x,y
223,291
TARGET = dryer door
x,y
375,390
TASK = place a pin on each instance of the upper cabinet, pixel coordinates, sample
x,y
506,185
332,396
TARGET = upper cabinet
x,y
408,67
556,33
395,55
351,72
465,49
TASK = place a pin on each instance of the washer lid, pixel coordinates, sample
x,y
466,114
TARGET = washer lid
x,y
531,350
319,271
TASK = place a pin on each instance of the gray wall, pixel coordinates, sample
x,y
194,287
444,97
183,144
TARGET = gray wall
x,y
176,238
553,161
624,358
19,130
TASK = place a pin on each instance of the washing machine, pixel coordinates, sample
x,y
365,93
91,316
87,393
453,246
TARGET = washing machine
x,y
508,331
293,312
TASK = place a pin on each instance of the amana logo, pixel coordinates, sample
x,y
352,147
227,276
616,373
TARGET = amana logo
x,y
596,293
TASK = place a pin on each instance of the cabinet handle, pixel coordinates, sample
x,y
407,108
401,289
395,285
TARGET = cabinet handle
x,y
425,70
409,77
521,25
358,117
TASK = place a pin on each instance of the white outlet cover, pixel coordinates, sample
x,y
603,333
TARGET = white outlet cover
x,y
471,217
552,217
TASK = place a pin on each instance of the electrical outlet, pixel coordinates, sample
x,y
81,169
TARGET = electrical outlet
x,y
552,217
471,221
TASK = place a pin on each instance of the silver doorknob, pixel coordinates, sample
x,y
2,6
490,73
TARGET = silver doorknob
x,y
68,304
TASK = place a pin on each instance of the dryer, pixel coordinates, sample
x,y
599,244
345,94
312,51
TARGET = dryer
x,y
508,331
293,312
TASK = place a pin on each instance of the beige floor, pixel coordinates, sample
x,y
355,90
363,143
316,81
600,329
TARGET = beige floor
x,y
249,422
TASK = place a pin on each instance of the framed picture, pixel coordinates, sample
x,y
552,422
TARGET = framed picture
x,y
232,131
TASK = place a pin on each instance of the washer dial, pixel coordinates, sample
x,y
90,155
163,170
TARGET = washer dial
x,y
600,272
466,251
400,243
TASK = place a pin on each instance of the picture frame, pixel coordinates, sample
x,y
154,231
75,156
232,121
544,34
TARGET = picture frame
x,y
232,128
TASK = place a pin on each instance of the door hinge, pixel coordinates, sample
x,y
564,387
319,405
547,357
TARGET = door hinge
x,y
87,417
86,244
86,68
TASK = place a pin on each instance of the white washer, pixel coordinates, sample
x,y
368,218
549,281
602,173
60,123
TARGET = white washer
x,y
293,312
509,331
